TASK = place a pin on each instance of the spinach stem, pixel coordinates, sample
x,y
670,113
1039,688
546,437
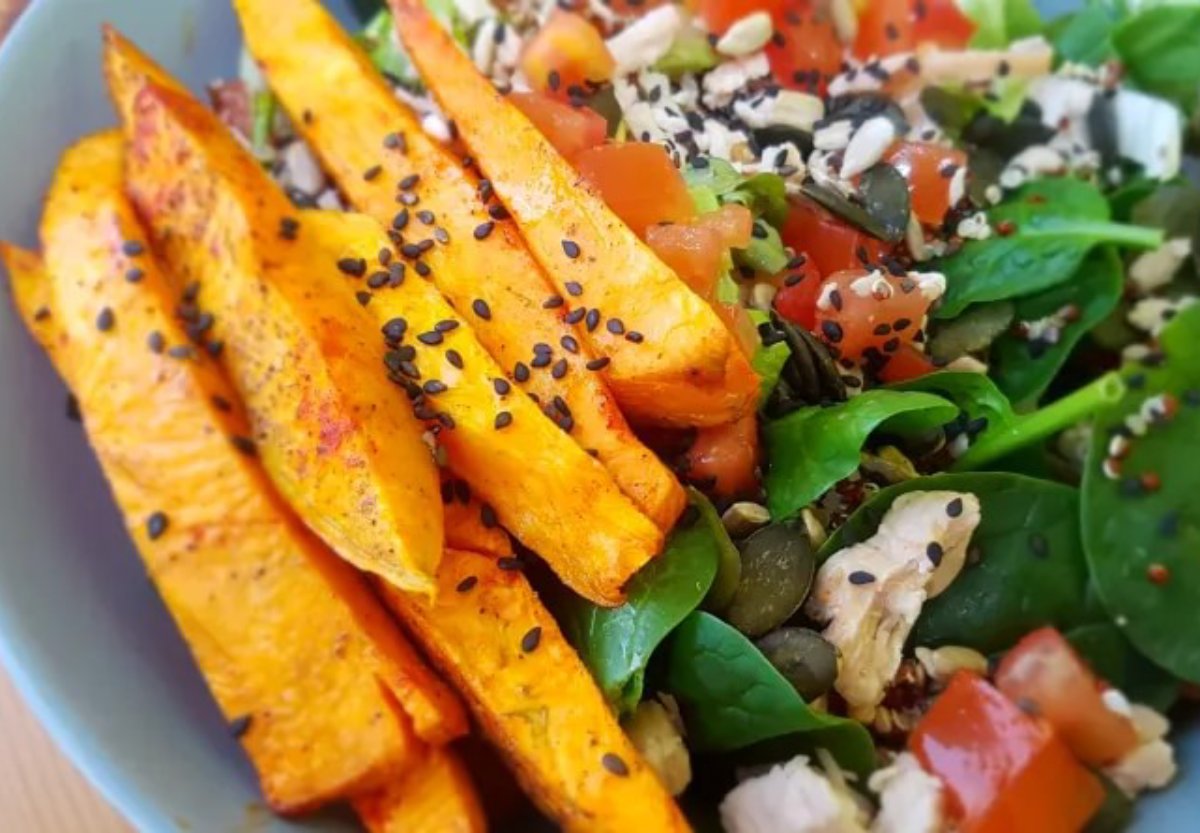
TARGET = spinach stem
x,y
1043,423
1119,234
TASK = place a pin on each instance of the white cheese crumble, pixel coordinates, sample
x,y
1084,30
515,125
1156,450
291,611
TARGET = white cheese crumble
x,y
790,798
1151,766
910,799
871,593
728,79
644,41
1154,270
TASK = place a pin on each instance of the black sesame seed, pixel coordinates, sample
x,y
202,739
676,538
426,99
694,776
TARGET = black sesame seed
x,y
503,420
362,297
575,315
392,141
409,182
480,308
860,577
955,507
570,249
1168,525
441,235
372,173
400,221
156,342
378,280
934,552
521,372
487,516
395,329
541,360
73,412
542,347
574,288
882,329
133,248
181,351
355,267
244,444
446,325
467,584
430,338
498,212
240,725
832,331
501,386
411,250
553,80
1131,487
396,272
759,231
434,386
1038,545
635,337
901,324
569,344
483,230
531,640
454,358
592,319
427,217
553,302
156,525
510,563
105,320
423,269
134,275
615,326
891,345
560,369
615,764
599,364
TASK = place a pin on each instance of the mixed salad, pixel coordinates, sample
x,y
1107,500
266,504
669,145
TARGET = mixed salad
x,y
834,366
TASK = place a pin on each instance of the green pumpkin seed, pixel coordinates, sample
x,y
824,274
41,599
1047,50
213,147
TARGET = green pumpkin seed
x,y
804,658
778,564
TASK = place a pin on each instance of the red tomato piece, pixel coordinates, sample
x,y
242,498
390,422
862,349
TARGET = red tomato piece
x,y
805,51
1044,670
941,22
929,170
724,458
570,129
568,51
1004,771
696,249
796,299
885,27
909,362
857,310
830,243
719,15
639,183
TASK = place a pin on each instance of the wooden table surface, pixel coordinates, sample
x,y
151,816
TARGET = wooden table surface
x,y
40,792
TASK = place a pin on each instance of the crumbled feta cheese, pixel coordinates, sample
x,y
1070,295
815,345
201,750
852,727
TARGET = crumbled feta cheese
x,y
1114,700
872,285
1031,163
723,82
718,140
330,200
1149,132
870,594
790,798
660,742
483,48
644,41
1153,270
787,108
746,35
825,296
867,145
910,799
974,227
993,194
1151,766
1065,103
1152,314
931,285
833,136
436,126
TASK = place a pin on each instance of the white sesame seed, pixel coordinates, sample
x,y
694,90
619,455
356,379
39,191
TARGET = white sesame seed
x,y
867,145
746,35
833,136
646,39
726,80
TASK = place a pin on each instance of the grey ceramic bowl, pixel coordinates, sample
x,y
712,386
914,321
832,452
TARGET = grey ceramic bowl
x,y
81,629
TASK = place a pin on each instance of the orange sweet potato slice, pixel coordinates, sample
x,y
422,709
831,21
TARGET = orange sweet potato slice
x,y
295,647
534,699
354,123
435,796
591,255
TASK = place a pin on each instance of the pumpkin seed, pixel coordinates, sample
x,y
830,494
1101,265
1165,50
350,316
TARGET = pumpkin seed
x,y
778,564
974,330
805,658
882,207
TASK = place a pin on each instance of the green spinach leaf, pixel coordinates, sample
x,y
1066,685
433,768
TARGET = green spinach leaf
x,y
1161,52
768,360
976,396
1084,37
813,448
1026,568
1000,22
733,698
616,643
1023,369
1142,531
1112,656
1056,222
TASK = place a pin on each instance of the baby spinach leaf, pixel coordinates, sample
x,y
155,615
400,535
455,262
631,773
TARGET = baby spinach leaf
x,y
1160,51
616,643
769,359
733,698
1023,369
764,253
1142,531
1113,658
813,448
976,396
1056,222
1025,568
999,22
763,193
1084,37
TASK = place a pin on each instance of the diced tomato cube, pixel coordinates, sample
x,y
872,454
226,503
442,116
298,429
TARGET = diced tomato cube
x,y
885,27
796,299
1043,670
830,243
570,129
1004,771
639,183
566,52
733,223
929,169
695,249
805,51
941,22
909,362
719,15
861,313
724,459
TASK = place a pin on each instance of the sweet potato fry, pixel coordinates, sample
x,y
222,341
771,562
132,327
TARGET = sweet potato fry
x,y
347,112
534,699
582,245
298,652
435,796
466,528
357,472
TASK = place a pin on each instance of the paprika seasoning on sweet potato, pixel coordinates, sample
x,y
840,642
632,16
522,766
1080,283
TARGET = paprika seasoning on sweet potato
x,y
297,651
436,795
666,345
354,122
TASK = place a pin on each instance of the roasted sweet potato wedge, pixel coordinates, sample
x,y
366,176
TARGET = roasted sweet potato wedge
x,y
534,698
304,360
435,796
351,118
591,255
297,650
